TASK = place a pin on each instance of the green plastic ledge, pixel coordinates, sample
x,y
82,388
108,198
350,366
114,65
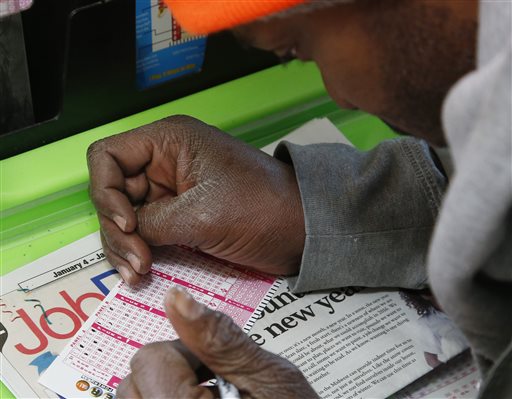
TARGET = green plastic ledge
x,y
46,170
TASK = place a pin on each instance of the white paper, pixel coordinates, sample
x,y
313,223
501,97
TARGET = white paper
x,y
314,131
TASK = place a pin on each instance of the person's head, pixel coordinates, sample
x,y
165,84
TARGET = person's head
x,y
395,59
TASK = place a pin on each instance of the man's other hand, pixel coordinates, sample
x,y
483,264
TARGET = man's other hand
x,y
168,369
180,181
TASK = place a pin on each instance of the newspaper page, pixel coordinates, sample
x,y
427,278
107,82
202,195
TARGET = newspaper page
x,y
68,284
353,342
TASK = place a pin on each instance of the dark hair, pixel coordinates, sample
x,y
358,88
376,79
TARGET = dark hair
x,y
414,300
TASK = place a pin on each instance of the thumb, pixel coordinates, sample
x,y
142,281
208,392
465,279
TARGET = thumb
x,y
227,351
211,336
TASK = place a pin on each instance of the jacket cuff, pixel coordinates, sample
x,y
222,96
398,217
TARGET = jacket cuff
x,y
368,215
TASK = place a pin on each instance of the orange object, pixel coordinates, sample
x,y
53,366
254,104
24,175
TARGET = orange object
x,y
208,16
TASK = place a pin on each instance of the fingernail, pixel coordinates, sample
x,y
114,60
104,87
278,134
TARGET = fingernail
x,y
134,261
120,221
184,304
124,272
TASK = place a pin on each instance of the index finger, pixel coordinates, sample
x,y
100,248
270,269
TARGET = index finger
x,y
159,370
111,161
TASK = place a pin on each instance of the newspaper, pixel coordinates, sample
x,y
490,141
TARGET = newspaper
x,y
353,342
69,284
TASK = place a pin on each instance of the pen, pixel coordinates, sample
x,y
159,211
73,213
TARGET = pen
x,y
226,389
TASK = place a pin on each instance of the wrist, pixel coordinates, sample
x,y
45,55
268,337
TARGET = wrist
x,y
292,224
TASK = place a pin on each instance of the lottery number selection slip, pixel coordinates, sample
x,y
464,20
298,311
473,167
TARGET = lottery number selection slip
x,y
98,357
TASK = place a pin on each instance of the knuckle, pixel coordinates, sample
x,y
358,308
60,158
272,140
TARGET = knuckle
x,y
95,148
118,245
96,194
223,338
183,126
180,119
110,255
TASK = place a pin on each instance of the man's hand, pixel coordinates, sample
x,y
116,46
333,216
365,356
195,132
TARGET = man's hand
x,y
168,369
180,181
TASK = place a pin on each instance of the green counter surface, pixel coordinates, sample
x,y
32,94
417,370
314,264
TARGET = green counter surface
x,y
44,203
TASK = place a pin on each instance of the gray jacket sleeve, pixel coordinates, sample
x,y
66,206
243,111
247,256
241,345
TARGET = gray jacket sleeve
x,y
368,215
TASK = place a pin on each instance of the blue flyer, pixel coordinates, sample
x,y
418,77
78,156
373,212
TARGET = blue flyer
x,y
164,50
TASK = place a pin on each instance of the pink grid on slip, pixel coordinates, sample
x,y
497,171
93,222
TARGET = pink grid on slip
x,y
133,317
